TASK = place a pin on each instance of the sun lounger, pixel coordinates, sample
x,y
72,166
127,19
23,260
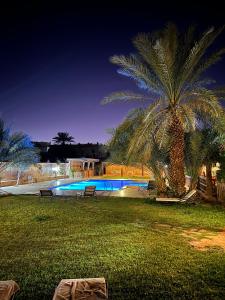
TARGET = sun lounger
x,y
8,289
165,199
80,289
4,193
89,191
188,198
48,193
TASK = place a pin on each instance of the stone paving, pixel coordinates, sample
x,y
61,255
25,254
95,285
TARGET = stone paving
x,y
34,188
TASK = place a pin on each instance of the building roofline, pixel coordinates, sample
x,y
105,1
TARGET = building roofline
x,y
83,159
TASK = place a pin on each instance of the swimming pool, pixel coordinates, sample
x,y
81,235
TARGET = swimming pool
x,y
101,184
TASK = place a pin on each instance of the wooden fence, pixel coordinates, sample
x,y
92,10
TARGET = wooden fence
x,y
201,184
138,170
202,187
220,191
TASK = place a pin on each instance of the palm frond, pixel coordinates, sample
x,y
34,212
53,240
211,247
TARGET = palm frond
x,y
166,74
219,92
206,63
154,54
187,117
16,149
195,153
208,107
132,67
125,96
195,55
147,126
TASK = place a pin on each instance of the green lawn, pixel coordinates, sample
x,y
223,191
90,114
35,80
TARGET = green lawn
x,y
43,241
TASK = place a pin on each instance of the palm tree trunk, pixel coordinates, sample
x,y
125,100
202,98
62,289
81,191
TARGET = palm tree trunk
x,y
161,186
176,155
209,186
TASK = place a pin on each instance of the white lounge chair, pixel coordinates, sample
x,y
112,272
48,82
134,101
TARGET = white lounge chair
x,y
187,198
46,193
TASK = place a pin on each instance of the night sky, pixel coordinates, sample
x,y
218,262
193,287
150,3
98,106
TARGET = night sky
x,y
55,66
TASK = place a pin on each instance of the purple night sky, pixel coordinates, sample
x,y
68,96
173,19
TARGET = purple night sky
x,y
55,66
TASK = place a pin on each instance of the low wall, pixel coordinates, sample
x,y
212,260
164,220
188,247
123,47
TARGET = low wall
x,y
35,173
126,171
82,174
88,173
8,182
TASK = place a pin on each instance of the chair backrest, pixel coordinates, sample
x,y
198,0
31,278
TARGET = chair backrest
x,y
83,288
46,193
8,289
89,190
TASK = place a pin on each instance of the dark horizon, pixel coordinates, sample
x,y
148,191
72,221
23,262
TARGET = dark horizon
x,y
55,65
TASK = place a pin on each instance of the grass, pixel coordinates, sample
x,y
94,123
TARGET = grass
x,y
43,241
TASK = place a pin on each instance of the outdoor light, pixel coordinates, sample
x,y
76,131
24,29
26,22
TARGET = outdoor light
x,y
56,169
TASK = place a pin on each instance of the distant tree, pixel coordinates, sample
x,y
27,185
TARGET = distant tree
x,y
16,149
63,138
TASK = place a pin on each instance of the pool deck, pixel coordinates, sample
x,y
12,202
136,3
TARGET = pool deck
x,y
34,188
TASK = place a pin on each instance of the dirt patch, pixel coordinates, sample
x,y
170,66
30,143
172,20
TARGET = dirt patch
x,y
166,226
200,239
204,240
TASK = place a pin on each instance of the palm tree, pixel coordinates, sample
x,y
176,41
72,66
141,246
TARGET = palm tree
x,y
15,149
63,138
168,66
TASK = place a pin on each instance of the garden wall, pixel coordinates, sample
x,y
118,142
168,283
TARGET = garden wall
x,y
35,173
126,171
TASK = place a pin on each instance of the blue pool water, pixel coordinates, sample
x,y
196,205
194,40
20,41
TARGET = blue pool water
x,y
101,185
